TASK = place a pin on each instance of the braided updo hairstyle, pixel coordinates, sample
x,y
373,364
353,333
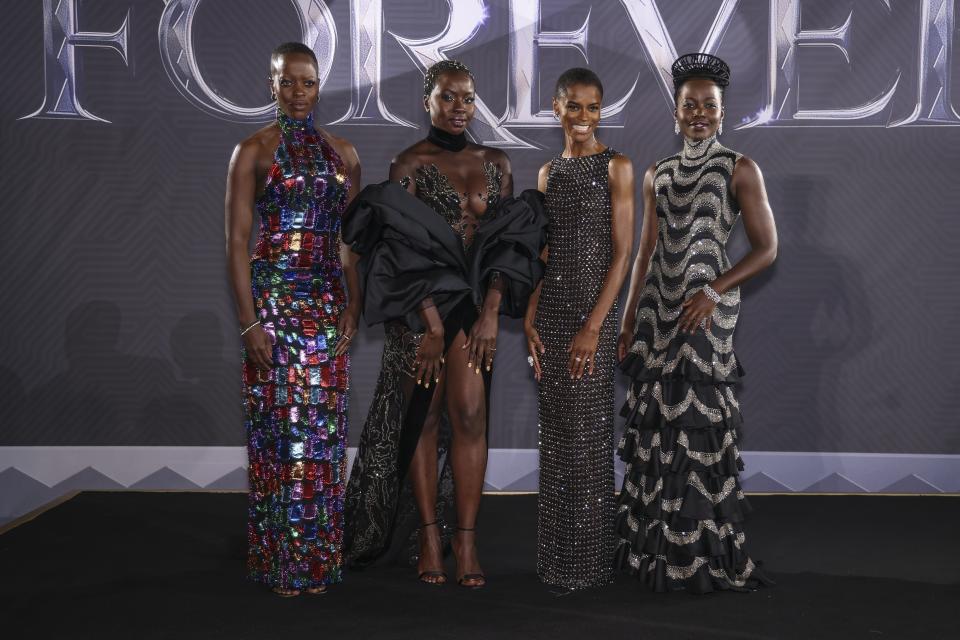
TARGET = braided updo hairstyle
x,y
438,68
699,65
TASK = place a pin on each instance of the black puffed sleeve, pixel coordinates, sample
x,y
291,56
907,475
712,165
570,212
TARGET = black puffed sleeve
x,y
407,253
508,242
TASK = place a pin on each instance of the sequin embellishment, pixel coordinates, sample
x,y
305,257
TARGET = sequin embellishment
x,y
575,538
680,516
296,412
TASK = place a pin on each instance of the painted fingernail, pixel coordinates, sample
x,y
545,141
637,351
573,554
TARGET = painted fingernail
x,y
477,370
470,364
419,381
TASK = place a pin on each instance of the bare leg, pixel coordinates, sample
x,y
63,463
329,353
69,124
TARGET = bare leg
x,y
423,476
466,406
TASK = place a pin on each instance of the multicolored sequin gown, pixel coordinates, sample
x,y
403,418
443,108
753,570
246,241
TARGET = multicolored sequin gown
x,y
296,412
575,539
681,507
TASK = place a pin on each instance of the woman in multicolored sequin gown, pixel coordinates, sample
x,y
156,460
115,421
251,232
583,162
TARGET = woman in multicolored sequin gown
x,y
296,326
681,507
571,328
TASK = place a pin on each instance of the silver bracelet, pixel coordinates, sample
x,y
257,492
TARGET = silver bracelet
x,y
244,332
710,293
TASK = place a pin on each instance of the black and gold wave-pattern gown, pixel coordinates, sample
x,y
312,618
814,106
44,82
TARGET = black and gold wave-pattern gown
x,y
681,509
448,258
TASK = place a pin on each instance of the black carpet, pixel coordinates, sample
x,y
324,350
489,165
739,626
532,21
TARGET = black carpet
x,y
171,565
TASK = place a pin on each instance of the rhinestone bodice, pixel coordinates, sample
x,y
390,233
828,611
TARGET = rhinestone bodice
x,y
695,214
437,192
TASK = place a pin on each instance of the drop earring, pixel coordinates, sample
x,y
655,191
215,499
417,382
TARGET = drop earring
x,y
720,128
676,127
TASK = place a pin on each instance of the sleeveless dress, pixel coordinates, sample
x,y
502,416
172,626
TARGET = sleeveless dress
x,y
297,412
382,517
575,540
681,507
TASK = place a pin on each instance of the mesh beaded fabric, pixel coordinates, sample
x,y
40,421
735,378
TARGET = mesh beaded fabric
x,y
576,497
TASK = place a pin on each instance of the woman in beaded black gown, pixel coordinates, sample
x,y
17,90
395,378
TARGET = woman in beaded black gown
x,y
681,509
571,337
445,249
296,326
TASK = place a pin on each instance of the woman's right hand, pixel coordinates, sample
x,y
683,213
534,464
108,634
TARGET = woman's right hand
x,y
534,348
429,358
259,348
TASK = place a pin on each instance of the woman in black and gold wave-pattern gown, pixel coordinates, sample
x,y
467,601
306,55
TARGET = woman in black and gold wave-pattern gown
x,y
445,249
681,507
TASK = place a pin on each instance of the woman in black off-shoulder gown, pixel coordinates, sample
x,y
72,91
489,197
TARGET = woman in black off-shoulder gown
x,y
444,250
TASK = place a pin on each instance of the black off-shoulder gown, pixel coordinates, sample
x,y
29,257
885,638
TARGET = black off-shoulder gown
x,y
411,248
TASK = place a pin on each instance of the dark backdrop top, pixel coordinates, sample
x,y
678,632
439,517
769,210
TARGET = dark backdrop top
x,y
117,324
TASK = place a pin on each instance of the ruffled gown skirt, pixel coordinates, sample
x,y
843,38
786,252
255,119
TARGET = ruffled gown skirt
x,y
681,511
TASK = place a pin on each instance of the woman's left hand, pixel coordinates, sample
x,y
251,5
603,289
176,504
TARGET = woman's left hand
x,y
481,344
346,328
696,309
583,352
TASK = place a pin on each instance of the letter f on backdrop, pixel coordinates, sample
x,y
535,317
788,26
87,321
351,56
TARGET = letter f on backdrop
x,y
60,40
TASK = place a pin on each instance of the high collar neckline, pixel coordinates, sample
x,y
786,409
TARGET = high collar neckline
x,y
446,140
696,149
291,125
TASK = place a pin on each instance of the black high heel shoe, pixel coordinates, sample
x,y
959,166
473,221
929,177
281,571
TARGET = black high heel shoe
x,y
441,576
471,577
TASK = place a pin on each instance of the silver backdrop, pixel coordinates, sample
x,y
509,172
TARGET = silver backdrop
x,y
119,116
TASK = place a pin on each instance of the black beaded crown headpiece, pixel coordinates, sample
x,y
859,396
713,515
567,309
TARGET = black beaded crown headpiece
x,y
699,65
437,68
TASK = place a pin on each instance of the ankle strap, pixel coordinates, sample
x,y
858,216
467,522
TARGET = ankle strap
x,y
429,524
466,529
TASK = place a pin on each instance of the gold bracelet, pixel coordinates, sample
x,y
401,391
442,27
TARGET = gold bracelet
x,y
256,322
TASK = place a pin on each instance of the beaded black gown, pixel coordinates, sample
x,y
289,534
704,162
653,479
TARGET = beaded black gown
x,y
575,540
681,507
413,248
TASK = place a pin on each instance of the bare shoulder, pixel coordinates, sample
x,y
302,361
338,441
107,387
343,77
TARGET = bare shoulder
x,y
620,163
747,170
544,172
258,143
746,164
411,157
621,168
343,147
406,163
543,176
